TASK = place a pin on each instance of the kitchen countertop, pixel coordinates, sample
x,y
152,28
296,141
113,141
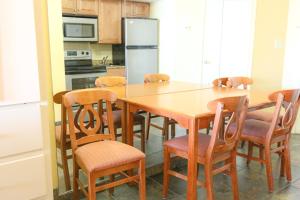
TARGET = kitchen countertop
x,y
115,66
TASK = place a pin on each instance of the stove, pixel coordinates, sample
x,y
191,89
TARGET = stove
x,y
80,71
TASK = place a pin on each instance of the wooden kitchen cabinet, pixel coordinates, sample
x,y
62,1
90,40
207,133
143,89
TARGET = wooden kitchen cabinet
x,y
141,9
110,19
87,7
116,71
69,6
81,7
135,9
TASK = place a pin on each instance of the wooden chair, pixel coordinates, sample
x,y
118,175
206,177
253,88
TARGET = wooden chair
x,y
98,154
62,137
217,152
111,81
159,78
233,82
274,136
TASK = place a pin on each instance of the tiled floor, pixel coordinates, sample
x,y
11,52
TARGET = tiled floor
x,y
252,179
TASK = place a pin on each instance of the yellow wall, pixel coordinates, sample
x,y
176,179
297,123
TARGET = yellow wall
x,y
56,49
41,19
270,28
57,62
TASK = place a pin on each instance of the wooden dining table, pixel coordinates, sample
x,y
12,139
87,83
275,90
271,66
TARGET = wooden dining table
x,y
144,90
186,103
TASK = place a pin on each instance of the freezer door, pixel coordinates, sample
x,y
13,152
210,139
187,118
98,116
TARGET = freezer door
x,y
141,32
140,62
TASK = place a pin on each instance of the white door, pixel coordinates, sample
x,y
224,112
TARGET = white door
x,y
228,39
291,70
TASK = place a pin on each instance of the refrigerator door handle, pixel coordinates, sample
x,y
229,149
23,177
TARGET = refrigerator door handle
x,y
141,47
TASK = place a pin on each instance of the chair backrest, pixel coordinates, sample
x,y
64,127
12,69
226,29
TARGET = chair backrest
x,y
156,78
237,108
58,99
110,81
91,130
287,104
233,82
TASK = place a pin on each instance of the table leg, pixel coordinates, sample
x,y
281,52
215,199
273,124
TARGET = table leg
x,y
192,160
130,119
129,134
124,121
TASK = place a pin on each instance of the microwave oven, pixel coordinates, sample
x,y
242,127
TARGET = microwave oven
x,y
80,29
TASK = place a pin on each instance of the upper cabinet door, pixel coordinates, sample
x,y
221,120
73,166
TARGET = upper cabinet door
x,y
141,9
68,6
127,8
135,9
87,7
110,21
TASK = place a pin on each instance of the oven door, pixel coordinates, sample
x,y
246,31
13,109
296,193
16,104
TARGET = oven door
x,y
82,81
80,29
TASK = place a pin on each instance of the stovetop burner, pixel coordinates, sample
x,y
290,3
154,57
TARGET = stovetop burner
x,y
85,69
80,62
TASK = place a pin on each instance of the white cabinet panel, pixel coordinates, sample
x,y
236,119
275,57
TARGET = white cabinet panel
x,y
20,130
23,179
19,75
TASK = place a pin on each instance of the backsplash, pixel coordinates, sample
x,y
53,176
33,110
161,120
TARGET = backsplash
x,y
98,50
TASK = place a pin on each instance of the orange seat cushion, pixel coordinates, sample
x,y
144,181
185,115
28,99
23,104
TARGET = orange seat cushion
x,y
181,143
106,154
254,130
261,115
117,116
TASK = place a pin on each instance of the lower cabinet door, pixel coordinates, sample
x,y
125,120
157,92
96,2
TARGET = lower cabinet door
x,y
23,178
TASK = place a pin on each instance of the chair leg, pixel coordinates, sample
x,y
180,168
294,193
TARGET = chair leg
x,y
65,167
143,136
242,144
91,187
142,182
75,179
261,153
148,122
166,128
288,163
250,152
269,169
282,163
173,129
166,179
111,179
207,130
209,181
234,178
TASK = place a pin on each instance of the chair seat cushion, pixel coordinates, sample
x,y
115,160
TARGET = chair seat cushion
x,y
117,116
261,115
181,143
254,130
106,154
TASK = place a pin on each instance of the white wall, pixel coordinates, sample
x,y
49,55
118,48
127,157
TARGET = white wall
x,y
181,33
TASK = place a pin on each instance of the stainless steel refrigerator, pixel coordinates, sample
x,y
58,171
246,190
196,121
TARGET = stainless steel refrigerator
x,y
139,51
